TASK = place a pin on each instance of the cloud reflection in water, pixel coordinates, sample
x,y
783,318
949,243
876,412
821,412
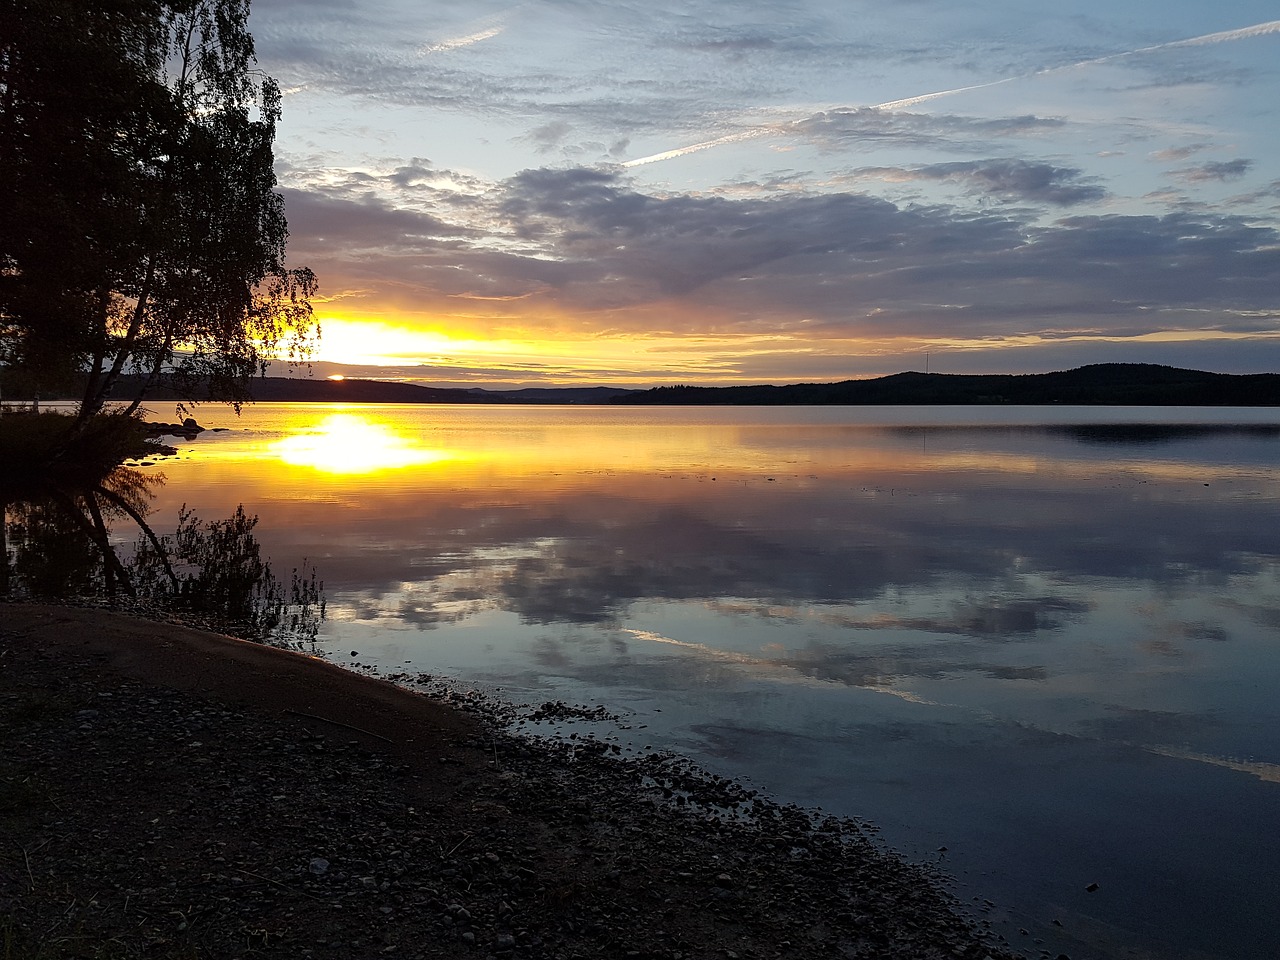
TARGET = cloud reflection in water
x,y
1068,633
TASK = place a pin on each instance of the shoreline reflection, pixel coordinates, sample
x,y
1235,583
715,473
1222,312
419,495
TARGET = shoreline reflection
x,y
94,541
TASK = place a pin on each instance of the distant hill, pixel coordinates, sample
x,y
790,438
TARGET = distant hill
x,y
354,390
289,390
1105,384
556,394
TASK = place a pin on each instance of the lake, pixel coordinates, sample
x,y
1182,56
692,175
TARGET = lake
x,y
1045,639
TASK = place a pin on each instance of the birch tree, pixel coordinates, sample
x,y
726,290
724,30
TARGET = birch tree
x,y
140,228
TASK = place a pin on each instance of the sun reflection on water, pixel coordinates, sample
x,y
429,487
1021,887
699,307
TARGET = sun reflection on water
x,y
346,443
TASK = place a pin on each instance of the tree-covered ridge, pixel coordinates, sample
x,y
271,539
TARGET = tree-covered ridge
x,y
1117,384
1111,384
140,228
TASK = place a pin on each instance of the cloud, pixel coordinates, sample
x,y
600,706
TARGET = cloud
x,y
737,46
588,248
354,225
870,125
1265,199
1214,171
874,254
548,136
880,182
786,128
673,245
416,172
1006,179
1179,153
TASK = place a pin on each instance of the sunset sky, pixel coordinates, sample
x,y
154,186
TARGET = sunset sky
x,y
563,192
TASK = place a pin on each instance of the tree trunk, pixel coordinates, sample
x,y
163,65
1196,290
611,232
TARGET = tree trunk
x,y
123,352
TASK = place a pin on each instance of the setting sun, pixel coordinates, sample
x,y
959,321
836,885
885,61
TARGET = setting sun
x,y
349,444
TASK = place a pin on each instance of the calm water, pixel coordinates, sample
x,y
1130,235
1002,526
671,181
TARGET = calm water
x,y
1047,639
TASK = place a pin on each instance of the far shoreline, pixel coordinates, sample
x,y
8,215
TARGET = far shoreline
x,y
1112,384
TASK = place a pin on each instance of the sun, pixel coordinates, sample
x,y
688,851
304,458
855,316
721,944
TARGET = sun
x,y
346,443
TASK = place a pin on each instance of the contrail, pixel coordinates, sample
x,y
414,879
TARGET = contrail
x,y
1244,33
484,29
446,45
1223,36
762,131
695,147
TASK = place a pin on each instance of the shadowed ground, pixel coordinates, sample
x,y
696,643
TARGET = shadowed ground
x,y
173,793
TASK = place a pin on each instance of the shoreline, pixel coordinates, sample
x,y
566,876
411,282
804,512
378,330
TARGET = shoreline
x,y
346,816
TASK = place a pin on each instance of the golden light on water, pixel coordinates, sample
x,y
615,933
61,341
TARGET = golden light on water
x,y
482,449
347,443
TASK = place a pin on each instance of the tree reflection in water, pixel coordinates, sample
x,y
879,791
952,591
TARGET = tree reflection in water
x,y
61,541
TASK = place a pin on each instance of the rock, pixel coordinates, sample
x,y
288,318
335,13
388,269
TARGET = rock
x,y
319,866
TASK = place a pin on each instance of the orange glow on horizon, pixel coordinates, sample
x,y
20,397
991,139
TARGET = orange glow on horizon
x,y
560,357
671,349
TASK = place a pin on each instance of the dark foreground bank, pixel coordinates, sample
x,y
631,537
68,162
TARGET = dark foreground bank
x,y
172,793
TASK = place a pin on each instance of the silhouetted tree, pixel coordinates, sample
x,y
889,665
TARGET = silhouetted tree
x,y
140,229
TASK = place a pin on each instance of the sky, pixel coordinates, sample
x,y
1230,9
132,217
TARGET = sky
x,y
640,192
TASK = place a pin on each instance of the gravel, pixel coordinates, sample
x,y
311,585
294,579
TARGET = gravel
x,y
138,819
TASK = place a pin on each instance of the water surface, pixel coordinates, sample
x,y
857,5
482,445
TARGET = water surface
x,y
1046,639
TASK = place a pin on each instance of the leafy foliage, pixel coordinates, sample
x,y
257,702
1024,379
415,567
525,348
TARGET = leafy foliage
x,y
140,229
36,451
